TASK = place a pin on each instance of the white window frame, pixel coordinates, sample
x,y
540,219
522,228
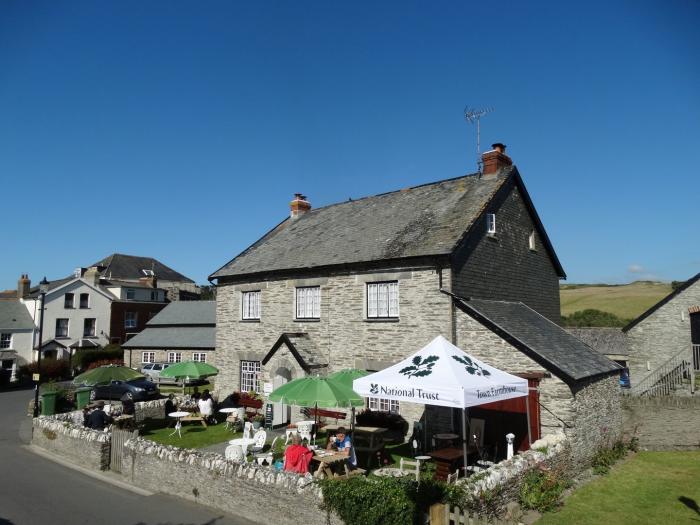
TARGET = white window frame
x,y
87,302
94,327
148,273
383,300
67,334
5,340
72,301
308,302
130,294
148,357
250,376
174,357
491,223
250,305
384,405
531,241
129,322
199,357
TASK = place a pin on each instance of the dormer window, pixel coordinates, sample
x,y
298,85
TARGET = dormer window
x,y
531,241
491,223
148,273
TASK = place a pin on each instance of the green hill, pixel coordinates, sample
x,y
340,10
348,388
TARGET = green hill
x,y
626,301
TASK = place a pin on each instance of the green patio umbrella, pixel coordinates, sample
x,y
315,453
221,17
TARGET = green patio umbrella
x,y
106,374
316,391
189,370
346,377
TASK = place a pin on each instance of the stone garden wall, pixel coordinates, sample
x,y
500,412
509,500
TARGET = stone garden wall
x,y
260,494
663,423
61,436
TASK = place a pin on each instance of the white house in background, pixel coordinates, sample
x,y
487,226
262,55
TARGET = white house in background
x,y
16,336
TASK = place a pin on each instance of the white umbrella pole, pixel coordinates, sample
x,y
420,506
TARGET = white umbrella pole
x,y
527,411
464,438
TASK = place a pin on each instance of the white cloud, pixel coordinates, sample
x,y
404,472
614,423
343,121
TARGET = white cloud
x,y
635,268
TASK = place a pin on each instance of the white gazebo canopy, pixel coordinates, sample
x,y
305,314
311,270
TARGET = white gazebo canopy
x,y
442,374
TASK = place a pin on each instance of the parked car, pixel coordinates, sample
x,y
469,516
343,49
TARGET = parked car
x,y
139,389
152,372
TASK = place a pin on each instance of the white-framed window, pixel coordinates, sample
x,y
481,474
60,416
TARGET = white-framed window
x,y
531,241
131,319
308,302
384,405
89,325
199,357
130,293
491,223
251,305
174,357
68,300
61,327
84,300
6,340
148,357
148,273
383,300
250,376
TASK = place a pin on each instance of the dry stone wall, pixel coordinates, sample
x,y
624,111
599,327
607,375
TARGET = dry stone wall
x,y
62,437
663,423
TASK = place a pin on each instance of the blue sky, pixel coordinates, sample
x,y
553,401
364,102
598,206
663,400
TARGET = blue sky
x,y
181,130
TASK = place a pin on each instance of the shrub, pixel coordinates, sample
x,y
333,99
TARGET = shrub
x,y
542,489
83,358
606,457
592,317
105,362
51,369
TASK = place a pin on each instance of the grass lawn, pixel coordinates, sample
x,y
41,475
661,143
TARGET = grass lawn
x,y
626,301
194,435
650,488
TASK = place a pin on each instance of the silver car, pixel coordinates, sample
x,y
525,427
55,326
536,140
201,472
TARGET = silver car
x,y
152,372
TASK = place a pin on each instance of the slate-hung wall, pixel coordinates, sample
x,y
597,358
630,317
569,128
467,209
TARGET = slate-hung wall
x,y
502,266
343,336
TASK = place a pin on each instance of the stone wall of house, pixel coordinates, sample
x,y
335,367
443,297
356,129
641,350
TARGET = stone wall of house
x,y
343,336
502,266
662,335
260,494
134,357
555,395
663,423
597,416
63,437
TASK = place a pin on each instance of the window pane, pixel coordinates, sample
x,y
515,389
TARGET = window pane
x,y
250,376
372,300
308,302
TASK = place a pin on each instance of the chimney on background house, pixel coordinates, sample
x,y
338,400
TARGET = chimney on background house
x,y
23,285
149,281
495,160
92,275
299,206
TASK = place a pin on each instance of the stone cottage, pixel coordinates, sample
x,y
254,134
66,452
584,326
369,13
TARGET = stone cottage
x,y
664,335
364,283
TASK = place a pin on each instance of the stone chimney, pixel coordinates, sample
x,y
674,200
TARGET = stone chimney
x,y
23,285
92,275
495,160
299,206
150,281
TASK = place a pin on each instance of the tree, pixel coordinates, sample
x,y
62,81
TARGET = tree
x,y
208,292
592,317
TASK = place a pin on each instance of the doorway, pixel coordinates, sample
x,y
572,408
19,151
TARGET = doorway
x,y
281,413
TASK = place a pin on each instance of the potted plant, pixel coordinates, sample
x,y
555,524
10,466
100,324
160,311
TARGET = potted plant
x,y
258,421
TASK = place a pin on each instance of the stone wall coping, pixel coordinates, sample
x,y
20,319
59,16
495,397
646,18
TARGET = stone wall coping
x,y
64,425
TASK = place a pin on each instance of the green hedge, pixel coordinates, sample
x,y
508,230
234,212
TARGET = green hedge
x,y
83,358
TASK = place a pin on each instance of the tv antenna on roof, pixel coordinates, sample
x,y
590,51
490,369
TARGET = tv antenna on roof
x,y
472,115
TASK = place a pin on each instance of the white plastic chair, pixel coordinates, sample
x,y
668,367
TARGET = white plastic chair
x,y
260,439
248,430
268,456
235,453
451,478
304,431
414,467
289,432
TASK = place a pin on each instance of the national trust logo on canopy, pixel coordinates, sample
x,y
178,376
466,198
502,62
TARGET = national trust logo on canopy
x,y
471,367
420,367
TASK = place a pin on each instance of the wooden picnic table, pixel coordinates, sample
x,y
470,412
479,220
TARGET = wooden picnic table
x,y
447,460
366,439
326,459
194,417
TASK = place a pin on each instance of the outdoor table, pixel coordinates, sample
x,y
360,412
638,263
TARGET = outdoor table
x,y
244,443
228,411
390,472
447,461
326,458
422,459
446,436
178,425
374,441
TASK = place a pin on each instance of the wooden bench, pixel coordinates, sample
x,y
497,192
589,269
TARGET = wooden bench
x,y
320,412
194,417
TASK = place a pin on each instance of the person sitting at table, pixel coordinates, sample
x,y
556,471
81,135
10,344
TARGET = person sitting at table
x,y
206,407
297,457
98,420
343,444
128,405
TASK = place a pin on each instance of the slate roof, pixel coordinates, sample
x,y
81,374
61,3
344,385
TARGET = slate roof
x,y
604,340
544,341
186,313
172,337
690,282
302,348
421,221
120,266
14,316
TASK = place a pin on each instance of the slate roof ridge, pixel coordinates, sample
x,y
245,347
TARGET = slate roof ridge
x,y
687,284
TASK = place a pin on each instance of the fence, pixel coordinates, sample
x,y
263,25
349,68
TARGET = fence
x,y
119,438
696,358
667,378
441,514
